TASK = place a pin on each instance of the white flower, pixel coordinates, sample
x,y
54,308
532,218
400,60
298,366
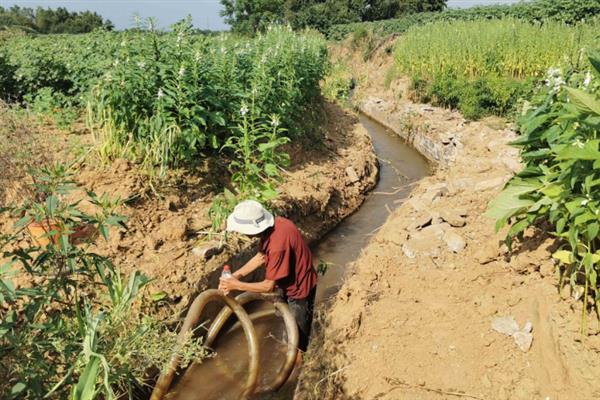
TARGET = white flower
x,y
243,110
587,80
160,93
141,64
584,202
182,71
275,121
578,143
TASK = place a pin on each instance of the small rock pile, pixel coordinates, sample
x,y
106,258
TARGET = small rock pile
x,y
433,228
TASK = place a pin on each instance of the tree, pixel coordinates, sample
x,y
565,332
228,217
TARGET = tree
x,y
249,16
47,20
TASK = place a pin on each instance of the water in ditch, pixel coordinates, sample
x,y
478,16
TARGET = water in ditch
x,y
223,377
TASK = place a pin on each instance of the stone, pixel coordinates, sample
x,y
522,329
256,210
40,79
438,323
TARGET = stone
x,y
492,183
486,254
434,192
523,340
352,175
453,218
454,241
528,327
426,241
547,268
207,250
420,221
174,228
459,185
505,325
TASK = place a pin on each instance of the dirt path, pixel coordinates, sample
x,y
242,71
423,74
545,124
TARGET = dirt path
x,y
414,320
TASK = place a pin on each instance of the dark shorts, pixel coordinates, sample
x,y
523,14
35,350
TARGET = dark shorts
x,y
302,310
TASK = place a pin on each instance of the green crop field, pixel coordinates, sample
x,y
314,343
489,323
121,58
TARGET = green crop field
x,y
485,67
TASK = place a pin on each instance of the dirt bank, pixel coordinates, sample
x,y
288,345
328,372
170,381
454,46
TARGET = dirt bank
x,y
166,236
414,319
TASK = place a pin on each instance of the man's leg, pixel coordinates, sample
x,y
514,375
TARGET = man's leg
x,y
302,310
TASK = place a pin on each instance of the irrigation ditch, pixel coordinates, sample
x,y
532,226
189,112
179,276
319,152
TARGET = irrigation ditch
x,y
224,376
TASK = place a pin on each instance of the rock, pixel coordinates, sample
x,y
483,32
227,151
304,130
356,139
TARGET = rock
x,y
486,254
523,340
426,241
454,241
352,176
207,250
173,228
547,268
434,192
505,325
460,185
420,221
453,218
528,327
491,183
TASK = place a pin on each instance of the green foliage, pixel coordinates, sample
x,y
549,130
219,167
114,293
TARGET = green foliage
x,y
77,326
484,67
168,98
338,82
561,179
567,11
251,16
68,64
47,20
54,106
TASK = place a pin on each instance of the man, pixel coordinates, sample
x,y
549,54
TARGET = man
x,y
287,259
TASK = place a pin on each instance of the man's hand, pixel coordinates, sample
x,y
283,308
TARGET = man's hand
x,y
226,285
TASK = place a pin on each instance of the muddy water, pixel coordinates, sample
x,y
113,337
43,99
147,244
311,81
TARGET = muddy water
x,y
223,376
399,167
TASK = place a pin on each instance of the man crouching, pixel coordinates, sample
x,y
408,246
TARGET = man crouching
x,y
286,256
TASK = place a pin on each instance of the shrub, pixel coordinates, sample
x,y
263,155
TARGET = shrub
x,y
78,330
560,183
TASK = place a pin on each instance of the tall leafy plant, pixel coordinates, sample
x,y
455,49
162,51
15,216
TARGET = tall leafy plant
x,y
560,146
73,327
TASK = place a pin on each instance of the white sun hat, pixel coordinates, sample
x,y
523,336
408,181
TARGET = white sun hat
x,y
250,218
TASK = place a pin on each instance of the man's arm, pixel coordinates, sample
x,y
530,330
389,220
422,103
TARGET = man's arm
x,y
229,284
250,266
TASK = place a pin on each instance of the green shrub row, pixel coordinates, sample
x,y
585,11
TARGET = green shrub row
x,y
568,11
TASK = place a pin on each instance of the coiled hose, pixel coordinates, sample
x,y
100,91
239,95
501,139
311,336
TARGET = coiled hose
x,y
234,306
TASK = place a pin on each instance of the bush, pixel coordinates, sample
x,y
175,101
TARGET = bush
x,y
560,183
77,329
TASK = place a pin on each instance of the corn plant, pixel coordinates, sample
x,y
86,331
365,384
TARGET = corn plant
x,y
485,67
560,146
77,329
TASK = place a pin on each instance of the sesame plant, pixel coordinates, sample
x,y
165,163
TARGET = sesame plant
x,y
256,162
560,184
71,325
170,98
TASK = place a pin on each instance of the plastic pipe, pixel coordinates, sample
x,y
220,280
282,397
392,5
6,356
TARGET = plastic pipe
x,y
191,320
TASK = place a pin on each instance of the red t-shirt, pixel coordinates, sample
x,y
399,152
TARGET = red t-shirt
x,y
289,259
